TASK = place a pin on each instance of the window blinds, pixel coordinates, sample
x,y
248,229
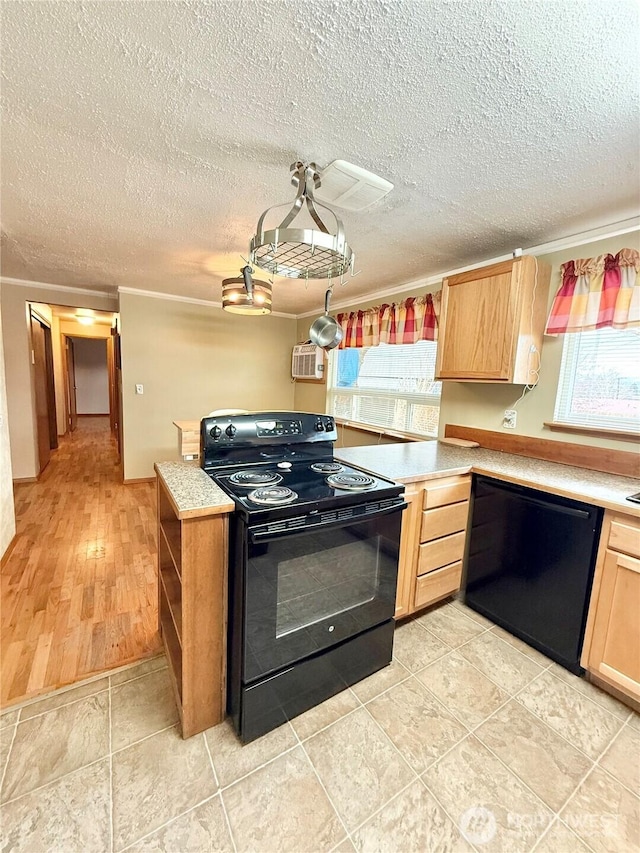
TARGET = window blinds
x,y
599,383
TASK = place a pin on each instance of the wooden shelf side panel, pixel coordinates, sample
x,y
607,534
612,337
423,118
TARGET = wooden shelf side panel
x,y
204,611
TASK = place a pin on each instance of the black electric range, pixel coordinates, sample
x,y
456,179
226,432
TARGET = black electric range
x,y
313,562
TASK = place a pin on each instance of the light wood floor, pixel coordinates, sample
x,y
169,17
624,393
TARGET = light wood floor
x,y
78,593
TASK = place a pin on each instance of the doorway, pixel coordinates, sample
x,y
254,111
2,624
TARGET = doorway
x,y
87,377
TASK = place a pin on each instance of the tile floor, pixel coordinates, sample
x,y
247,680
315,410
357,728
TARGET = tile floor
x,y
468,741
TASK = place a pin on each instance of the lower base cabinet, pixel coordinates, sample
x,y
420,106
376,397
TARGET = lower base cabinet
x,y
432,542
611,649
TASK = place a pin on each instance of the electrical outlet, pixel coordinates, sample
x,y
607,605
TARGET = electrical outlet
x,y
139,389
509,419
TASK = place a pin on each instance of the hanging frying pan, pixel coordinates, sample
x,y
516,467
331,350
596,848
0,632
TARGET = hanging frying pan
x,y
325,331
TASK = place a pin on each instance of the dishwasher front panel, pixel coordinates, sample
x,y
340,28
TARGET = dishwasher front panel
x,y
529,565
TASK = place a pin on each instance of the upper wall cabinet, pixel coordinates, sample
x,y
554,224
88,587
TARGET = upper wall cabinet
x,y
491,319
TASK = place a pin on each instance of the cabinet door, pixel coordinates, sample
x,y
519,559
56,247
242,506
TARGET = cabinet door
x,y
478,331
408,550
615,646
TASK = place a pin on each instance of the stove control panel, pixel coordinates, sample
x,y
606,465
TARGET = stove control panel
x,y
280,428
223,435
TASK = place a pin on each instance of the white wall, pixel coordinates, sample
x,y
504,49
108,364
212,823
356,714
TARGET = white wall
x,y
7,513
92,378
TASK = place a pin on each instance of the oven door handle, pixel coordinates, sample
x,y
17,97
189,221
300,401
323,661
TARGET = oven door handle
x,y
295,526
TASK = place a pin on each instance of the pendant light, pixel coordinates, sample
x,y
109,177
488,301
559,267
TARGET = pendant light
x,y
246,295
302,252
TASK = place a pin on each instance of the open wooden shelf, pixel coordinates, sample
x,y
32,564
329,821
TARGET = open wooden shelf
x,y
192,611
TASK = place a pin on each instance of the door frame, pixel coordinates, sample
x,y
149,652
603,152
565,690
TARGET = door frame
x,y
48,377
69,370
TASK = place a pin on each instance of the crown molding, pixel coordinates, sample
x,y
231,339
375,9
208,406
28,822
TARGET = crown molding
x,y
172,297
603,232
616,229
42,285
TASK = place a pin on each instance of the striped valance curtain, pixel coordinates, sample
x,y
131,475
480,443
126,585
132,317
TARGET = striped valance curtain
x,y
597,292
415,319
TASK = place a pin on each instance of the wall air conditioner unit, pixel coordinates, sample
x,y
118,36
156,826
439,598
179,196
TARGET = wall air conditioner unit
x,y
307,362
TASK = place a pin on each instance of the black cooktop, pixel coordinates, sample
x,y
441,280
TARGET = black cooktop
x,y
311,490
279,465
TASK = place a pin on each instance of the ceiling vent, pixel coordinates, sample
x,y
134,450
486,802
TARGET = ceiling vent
x,y
344,185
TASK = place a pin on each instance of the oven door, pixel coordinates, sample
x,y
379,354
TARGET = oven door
x,y
310,588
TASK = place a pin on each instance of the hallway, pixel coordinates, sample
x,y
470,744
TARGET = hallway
x,y
78,593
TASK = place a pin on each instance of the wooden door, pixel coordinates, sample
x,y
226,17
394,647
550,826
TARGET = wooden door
x,y
39,359
477,333
72,407
111,373
51,389
117,394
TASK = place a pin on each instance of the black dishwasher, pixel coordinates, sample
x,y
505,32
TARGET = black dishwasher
x,y
529,565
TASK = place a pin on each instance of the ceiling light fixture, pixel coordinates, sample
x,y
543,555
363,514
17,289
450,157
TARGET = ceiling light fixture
x,y
85,319
302,252
246,295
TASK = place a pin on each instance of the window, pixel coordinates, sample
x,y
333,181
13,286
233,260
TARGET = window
x,y
599,384
389,385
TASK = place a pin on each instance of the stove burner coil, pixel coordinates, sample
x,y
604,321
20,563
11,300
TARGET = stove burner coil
x,y
273,496
327,467
350,482
249,479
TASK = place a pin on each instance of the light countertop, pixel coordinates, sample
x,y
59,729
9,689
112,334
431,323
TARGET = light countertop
x,y
192,492
426,460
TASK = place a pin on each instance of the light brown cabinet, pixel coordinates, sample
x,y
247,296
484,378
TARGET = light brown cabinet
x,y
492,321
192,611
612,638
432,543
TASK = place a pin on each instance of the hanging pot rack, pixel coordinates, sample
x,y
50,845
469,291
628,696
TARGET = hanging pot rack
x,y
302,252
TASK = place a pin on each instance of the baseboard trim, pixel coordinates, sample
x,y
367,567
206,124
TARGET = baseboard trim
x,y
5,557
20,480
135,480
604,459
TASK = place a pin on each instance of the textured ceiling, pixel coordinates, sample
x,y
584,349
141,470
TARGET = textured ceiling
x,y
142,140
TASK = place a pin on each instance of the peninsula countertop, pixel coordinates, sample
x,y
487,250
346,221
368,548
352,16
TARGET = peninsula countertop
x,y
192,492
425,460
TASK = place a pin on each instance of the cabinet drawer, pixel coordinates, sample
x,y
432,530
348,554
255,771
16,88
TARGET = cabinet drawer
x,y
625,537
446,493
438,584
440,552
443,521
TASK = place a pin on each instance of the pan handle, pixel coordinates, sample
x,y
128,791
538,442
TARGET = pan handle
x,y
327,299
